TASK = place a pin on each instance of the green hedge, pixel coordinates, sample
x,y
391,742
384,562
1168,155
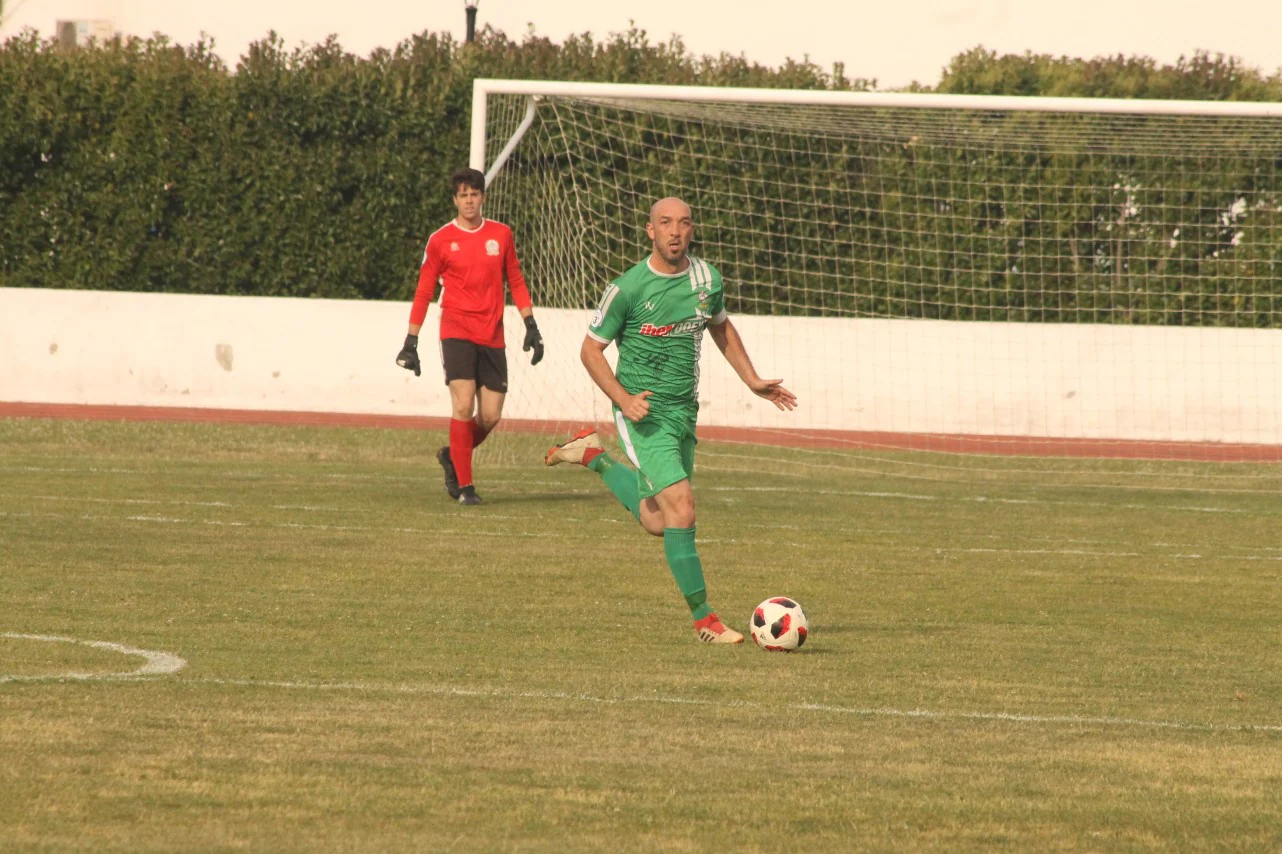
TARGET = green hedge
x,y
152,166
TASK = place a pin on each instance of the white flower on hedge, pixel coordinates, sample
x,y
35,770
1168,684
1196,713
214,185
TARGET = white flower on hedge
x,y
1235,210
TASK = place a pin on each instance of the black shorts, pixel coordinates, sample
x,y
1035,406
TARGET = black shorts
x,y
463,360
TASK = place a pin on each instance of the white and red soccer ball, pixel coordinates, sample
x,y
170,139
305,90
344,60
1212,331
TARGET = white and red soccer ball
x,y
779,625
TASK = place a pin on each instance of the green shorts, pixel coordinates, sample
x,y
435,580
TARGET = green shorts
x,y
661,447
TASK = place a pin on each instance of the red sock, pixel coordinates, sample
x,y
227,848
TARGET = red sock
x,y
461,450
478,435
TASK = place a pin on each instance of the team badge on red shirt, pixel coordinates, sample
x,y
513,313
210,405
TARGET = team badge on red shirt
x,y
491,247
454,247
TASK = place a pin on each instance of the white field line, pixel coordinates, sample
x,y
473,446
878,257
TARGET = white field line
x,y
520,483
560,535
659,699
68,470
1047,552
1074,467
154,663
784,490
976,462
346,511
352,511
462,533
90,500
979,499
164,664
1045,479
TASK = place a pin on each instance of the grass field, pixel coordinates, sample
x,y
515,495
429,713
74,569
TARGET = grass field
x,y
997,661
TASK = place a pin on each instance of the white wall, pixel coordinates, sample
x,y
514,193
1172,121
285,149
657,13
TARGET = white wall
x,y
1057,380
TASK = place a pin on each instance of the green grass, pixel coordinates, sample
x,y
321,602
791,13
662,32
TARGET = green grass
x,y
1005,659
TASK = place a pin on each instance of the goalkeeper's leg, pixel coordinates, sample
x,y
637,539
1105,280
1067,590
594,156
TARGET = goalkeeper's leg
x,y
463,393
489,411
477,379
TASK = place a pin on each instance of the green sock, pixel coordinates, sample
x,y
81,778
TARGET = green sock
x,y
621,480
687,569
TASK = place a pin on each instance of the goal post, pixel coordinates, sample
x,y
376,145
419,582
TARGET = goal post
x,y
948,282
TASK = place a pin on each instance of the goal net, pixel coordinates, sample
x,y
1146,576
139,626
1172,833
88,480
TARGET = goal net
x,y
1041,288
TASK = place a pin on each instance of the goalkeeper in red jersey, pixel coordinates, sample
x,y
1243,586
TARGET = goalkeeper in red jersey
x,y
470,256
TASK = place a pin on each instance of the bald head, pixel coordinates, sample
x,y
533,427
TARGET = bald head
x,y
671,206
671,228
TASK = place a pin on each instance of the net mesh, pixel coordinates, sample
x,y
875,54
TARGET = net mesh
x,y
950,292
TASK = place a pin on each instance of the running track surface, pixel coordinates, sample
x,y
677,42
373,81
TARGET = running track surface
x,y
838,439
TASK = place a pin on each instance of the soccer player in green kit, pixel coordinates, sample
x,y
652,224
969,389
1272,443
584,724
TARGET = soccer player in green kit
x,y
657,312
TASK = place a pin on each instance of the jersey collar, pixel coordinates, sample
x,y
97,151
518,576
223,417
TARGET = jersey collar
x,y
684,272
454,222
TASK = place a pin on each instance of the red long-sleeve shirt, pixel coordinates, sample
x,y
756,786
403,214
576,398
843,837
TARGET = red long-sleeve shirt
x,y
471,265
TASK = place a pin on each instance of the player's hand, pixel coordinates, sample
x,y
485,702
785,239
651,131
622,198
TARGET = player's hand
x,y
408,357
772,391
533,340
636,406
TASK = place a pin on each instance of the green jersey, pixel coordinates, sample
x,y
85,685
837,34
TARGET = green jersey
x,y
658,321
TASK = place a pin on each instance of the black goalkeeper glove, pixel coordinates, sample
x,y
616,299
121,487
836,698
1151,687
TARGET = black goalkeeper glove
x,y
408,357
533,340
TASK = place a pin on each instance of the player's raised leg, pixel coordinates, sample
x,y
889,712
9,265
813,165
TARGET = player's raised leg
x,y
585,449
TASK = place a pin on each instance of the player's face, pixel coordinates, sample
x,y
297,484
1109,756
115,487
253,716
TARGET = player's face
x,y
671,228
468,200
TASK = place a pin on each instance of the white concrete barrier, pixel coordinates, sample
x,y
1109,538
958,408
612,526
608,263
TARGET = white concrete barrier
x,y
916,376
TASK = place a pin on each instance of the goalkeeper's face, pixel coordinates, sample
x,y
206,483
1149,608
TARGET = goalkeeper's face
x,y
468,200
671,227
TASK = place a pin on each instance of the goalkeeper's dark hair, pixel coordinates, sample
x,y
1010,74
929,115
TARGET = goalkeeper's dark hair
x,y
461,178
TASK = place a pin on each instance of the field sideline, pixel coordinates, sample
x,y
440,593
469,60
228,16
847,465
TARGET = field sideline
x,y
1000,661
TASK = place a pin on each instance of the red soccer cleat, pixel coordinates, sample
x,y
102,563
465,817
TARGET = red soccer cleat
x,y
711,630
574,450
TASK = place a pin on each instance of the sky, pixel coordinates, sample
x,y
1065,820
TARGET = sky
x,y
895,43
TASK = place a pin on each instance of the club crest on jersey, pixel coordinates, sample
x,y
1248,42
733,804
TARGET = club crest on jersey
x,y
491,247
454,246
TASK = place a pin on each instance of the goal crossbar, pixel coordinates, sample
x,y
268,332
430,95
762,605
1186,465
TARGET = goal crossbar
x,y
482,88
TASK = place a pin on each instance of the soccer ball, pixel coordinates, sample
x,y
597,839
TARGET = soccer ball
x,y
779,625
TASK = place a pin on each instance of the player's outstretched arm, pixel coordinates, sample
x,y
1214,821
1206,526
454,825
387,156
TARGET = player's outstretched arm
x,y
633,406
731,346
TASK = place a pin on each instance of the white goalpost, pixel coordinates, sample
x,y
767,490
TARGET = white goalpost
x,y
950,284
